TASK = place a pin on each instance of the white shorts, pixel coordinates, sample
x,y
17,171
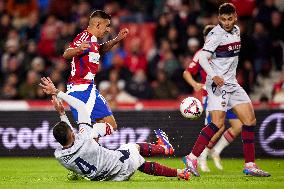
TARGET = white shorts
x,y
131,164
226,97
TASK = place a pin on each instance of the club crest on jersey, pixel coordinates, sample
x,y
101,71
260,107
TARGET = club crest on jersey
x,y
94,57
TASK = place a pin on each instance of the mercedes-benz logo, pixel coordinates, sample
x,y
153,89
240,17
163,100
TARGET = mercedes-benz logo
x,y
278,134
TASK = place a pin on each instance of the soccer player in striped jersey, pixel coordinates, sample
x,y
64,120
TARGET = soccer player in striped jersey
x,y
213,148
85,52
83,155
222,47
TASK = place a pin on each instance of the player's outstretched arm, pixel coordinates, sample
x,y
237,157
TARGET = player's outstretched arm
x,y
109,44
71,52
49,88
58,106
189,79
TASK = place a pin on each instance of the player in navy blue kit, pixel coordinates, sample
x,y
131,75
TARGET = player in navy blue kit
x,y
83,155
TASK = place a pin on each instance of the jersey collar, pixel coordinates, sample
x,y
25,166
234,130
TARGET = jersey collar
x,y
93,38
231,32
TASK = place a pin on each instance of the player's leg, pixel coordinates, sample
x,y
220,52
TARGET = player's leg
x,y
217,106
102,115
162,146
108,119
156,169
132,161
218,118
228,136
202,159
243,108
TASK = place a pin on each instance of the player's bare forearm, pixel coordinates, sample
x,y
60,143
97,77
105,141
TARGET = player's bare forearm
x,y
58,106
108,45
189,79
105,47
71,52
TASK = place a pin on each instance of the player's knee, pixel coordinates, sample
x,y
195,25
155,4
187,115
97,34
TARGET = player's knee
x,y
251,122
218,123
114,126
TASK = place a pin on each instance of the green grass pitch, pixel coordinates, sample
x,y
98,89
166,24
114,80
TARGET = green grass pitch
x,y
47,173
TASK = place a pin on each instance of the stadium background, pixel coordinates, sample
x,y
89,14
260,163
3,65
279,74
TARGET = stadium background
x,y
142,77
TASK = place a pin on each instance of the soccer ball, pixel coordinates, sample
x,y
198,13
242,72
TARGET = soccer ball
x,y
191,108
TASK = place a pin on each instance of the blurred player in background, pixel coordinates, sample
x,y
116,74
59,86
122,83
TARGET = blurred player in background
x,y
236,125
82,154
85,52
222,47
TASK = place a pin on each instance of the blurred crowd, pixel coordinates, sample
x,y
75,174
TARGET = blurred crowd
x,y
34,34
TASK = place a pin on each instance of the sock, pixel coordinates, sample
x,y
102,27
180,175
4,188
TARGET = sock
x,y
148,150
248,143
250,164
102,129
203,139
153,168
204,154
192,156
224,141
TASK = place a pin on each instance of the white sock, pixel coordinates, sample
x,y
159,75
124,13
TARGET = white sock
x,y
179,171
221,144
249,164
204,154
102,129
192,156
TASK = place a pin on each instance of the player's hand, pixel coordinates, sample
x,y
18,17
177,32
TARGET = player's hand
x,y
57,103
198,87
219,81
48,86
122,34
84,46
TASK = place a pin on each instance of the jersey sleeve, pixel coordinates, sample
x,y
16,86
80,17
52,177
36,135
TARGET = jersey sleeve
x,y
212,41
66,120
194,66
79,39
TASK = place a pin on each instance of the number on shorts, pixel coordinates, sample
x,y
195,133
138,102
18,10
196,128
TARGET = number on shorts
x,y
125,155
223,94
84,166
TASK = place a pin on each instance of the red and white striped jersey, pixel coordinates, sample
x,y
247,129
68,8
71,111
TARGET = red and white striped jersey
x,y
84,66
